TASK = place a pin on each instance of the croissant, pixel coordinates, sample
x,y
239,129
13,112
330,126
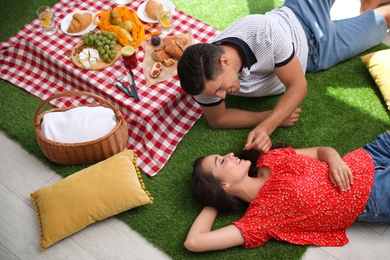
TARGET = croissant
x,y
151,7
79,22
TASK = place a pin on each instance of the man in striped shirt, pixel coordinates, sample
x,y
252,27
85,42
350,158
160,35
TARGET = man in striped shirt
x,y
265,55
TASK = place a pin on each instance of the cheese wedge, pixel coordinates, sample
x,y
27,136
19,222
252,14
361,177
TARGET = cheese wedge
x,y
89,57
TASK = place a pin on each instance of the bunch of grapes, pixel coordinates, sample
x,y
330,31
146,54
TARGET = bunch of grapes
x,y
104,42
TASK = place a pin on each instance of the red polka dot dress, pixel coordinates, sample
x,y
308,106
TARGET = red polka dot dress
x,y
299,204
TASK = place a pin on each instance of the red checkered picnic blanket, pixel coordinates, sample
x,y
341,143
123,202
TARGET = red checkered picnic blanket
x,y
157,122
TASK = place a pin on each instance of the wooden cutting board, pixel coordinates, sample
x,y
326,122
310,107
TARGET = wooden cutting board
x,y
100,64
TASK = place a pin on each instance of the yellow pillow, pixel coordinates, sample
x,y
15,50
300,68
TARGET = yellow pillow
x,y
378,64
92,194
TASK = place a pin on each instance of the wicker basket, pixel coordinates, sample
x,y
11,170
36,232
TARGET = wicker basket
x,y
84,152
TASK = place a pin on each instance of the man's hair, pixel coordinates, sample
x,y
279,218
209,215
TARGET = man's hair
x,y
199,63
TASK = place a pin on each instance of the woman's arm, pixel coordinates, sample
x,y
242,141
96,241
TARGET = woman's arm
x,y
200,238
339,172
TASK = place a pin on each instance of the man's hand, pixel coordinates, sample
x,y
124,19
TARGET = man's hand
x,y
259,138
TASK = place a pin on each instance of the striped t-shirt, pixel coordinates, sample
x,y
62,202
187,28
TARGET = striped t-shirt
x,y
267,41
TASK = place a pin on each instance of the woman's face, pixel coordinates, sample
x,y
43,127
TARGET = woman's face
x,y
228,168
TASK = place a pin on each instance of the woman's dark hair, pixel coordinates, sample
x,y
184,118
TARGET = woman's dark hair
x,y
199,63
253,155
208,189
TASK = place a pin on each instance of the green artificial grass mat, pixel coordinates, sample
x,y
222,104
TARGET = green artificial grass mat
x,y
343,109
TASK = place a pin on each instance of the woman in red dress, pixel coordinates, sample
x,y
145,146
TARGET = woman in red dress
x,y
301,196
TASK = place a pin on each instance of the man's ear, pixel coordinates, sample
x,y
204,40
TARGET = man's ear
x,y
224,60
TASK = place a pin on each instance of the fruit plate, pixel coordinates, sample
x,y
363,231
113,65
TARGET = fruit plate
x,y
97,66
68,18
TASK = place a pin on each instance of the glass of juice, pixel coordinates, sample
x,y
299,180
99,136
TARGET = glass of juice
x,y
46,17
165,19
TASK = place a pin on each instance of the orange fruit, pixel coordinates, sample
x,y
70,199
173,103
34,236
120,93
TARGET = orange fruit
x,y
46,19
165,19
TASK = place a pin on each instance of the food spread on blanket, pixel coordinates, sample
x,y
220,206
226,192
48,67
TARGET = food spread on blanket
x,y
120,26
162,54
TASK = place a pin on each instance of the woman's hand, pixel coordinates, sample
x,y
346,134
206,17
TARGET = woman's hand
x,y
201,238
340,174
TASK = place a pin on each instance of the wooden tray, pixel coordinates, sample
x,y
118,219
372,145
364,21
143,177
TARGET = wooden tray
x,y
100,64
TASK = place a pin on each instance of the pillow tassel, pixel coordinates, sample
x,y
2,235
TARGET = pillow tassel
x,y
140,177
32,198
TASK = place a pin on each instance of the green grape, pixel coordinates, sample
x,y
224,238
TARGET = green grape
x,y
104,42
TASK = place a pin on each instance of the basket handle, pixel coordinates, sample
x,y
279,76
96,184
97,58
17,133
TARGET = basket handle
x,y
74,93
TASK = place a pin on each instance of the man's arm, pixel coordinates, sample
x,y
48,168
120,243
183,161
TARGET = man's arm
x,y
291,75
283,115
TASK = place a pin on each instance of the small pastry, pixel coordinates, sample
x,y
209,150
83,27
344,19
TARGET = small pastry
x,y
169,62
160,55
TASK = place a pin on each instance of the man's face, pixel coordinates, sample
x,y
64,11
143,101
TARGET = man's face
x,y
224,84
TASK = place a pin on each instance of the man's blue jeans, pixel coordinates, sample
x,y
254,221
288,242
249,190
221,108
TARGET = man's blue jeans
x,y
331,42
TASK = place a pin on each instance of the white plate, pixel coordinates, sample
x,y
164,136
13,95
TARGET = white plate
x,y
143,16
68,18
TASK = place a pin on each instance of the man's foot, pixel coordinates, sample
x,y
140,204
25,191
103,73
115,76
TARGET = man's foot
x,y
366,5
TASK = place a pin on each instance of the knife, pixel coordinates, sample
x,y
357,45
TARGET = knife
x,y
130,78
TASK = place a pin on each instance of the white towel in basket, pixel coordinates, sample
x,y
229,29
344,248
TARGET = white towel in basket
x,y
80,124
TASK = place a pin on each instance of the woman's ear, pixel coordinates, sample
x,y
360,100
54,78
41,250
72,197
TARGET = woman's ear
x,y
225,186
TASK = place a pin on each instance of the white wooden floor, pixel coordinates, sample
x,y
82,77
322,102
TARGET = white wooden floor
x,y
21,173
